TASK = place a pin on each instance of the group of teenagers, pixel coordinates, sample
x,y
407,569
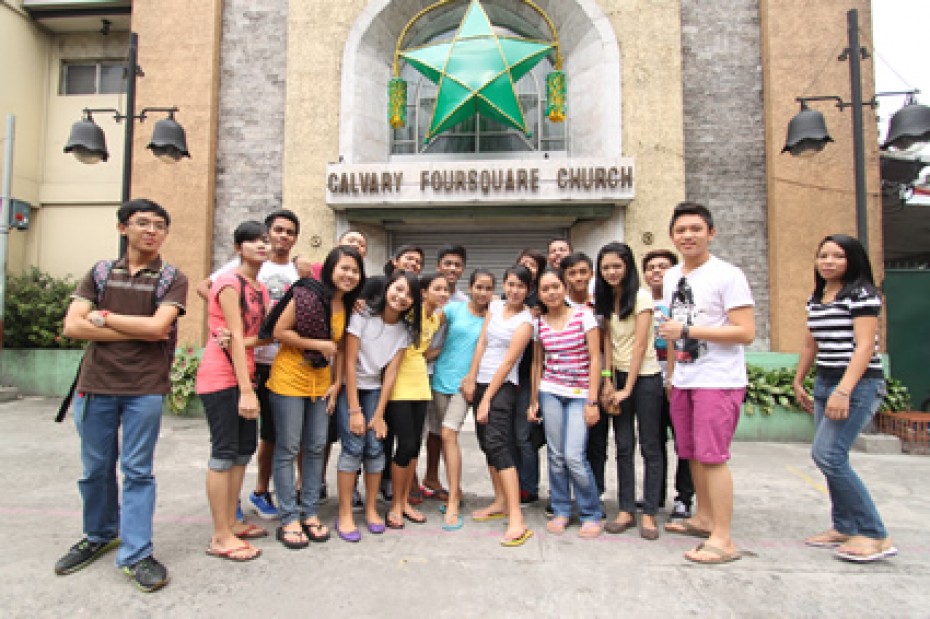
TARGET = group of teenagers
x,y
322,353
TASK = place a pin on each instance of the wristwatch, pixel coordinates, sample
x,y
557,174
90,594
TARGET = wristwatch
x,y
99,319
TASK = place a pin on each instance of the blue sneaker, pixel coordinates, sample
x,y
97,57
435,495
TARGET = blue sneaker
x,y
263,506
240,517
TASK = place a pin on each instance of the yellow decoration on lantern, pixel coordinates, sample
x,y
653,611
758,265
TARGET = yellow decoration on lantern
x,y
555,96
397,102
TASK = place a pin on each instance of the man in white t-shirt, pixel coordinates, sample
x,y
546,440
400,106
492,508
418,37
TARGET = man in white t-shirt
x,y
277,274
711,320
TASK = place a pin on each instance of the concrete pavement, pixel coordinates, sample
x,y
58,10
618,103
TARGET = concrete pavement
x,y
424,571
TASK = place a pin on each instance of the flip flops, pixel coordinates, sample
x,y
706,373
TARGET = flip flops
x,y
313,532
827,539
511,542
230,554
437,494
867,552
393,521
252,531
459,523
590,530
557,525
718,556
488,517
287,539
684,527
414,520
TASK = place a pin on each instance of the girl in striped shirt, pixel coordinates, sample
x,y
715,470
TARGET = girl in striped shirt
x,y
842,320
566,367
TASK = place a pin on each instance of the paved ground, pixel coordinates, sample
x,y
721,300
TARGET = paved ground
x,y
423,571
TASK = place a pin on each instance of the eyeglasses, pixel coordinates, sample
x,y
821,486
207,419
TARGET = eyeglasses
x,y
148,224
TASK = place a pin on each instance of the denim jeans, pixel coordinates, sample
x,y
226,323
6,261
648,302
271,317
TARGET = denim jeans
x,y
98,418
567,441
356,448
853,512
525,455
299,422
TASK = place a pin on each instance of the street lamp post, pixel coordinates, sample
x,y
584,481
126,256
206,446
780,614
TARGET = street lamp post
x,y
168,143
807,131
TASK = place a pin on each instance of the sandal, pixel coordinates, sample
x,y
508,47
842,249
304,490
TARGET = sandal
x,y
315,531
684,527
292,540
393,521
438,494
512,542
827,539
251,531
590,530
232,554
861,549
557,525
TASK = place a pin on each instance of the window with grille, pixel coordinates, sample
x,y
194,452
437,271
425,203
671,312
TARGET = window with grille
x,y
104,77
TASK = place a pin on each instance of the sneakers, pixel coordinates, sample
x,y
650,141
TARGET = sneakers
x,y
680,511
83,554
147,574
263,505
240,517
527,498
358,505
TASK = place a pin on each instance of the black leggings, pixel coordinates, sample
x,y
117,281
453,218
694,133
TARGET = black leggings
x,y
405,418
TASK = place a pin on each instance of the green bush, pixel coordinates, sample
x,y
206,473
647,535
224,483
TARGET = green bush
x,y
36,303
183,378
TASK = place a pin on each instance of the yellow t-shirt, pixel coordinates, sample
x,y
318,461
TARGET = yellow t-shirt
x,y
412,380
291,375
623,333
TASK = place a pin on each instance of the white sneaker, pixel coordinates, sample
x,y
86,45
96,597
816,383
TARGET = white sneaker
x,y
680,511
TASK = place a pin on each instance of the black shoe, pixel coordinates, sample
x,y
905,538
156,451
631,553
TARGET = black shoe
x,y
526,498
83,554
147,574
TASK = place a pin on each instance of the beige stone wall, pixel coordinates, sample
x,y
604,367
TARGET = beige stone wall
x,y
179,52
811,197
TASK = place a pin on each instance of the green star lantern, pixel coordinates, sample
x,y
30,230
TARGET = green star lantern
x,y
476,72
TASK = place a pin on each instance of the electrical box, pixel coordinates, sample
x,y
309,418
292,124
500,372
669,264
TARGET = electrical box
x,y
20,214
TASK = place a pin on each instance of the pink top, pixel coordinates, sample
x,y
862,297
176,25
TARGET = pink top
x,y
216,370
566,365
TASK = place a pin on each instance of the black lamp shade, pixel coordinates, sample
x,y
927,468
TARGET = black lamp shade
x,y
807,133
87,142
169,142
908,126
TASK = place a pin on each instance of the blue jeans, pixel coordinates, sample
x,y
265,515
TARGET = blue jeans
x,y
356,448
298,422
98,418
853,511
569,469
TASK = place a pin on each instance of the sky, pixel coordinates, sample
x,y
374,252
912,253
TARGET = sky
x,y
899,52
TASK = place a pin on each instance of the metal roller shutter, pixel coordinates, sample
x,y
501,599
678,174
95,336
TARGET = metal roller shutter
x,y
492,249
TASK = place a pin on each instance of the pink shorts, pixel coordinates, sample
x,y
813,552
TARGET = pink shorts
x,y
705,421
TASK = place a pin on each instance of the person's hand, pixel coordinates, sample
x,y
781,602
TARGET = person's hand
x,y
248,405
357,423
618,397
378,426
222,336
327,348
532,413
468,388
592,414
670,330
803,398
481,413
331,395
837,407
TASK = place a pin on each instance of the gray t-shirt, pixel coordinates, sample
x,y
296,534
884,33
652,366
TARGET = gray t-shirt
x,y
378,344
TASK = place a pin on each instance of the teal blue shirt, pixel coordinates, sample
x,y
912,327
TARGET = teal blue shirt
x,y
454,360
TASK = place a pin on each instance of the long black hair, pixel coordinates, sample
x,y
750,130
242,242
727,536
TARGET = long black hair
x,y
629,286
413,316
858,273
329,265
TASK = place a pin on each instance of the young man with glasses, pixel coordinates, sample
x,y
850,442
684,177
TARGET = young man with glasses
x,y
127,311
711,309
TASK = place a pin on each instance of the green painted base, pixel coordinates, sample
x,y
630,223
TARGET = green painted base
x,y
782,426
39,371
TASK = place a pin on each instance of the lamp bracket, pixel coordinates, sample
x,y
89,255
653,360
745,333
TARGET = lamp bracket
x,y
863,53
141,116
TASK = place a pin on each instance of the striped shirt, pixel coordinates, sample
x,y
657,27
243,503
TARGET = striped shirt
x,y
831,325
566,365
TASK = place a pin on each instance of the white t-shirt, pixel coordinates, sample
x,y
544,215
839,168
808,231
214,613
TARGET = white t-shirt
x,y
716,287
277,278
458,295
378,344
500,333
